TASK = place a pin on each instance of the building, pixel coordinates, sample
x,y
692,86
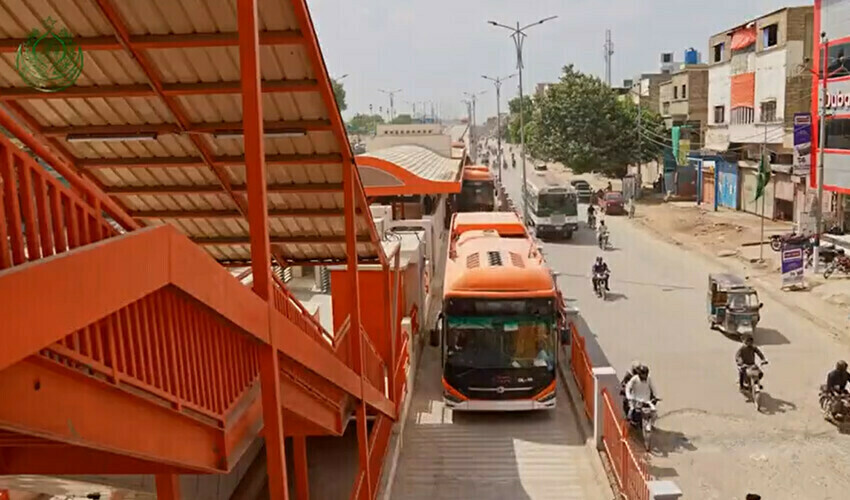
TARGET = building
x,y
428,135
832,17
684,101
756,85
541,89
645,90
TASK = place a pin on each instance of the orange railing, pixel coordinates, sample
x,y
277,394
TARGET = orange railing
x,y
630,472
582,369
168,348
39,216
295,311
414,319
373,364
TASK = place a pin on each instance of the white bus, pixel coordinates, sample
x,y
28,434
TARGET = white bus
x,y
552,205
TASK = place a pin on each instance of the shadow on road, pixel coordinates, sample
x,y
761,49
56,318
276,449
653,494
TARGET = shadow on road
x,y
772,406
667,442
615,296
662,472
770,336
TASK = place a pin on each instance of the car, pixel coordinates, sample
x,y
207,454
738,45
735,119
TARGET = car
x,y
582,187
540,167
612,203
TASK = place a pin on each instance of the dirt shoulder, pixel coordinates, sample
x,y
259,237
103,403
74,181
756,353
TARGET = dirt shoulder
x,y
731,240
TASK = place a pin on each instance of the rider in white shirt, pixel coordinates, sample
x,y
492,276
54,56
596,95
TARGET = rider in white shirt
x,y
641,389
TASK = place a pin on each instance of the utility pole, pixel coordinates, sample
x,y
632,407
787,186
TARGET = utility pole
x,y
498,83
473,99
473,150
640,138
609,51
821,142
765,163
518,35
391,94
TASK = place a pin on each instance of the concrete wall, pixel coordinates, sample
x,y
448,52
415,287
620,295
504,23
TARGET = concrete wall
x,y
410,129
717,134
440,144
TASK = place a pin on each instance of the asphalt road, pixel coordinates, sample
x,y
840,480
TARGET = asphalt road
x,y
710,439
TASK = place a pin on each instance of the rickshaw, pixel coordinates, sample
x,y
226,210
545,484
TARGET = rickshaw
x,y
733,305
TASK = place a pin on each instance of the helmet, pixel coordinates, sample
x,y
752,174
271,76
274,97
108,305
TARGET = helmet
x,y
599,259
841,366
748,339
636,366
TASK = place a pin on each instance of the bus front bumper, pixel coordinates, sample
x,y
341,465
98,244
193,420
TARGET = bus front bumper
x,y
500,405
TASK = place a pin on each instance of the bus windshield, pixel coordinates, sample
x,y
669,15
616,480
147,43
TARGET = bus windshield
x,y
489,342
477,192
557,203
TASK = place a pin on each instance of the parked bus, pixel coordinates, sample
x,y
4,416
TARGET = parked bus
x,y
501,319
552,205
478,191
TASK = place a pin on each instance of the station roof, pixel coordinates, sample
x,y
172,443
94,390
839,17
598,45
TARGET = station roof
x,y
408,170
155,119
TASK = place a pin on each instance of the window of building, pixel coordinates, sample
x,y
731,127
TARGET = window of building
x,y
675,92
720,114
838,133
667,57
768,111
684,91
839,62
771,35
665,108
742,116
718,52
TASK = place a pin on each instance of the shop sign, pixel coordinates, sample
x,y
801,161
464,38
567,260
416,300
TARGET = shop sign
x,y
802,143
792,266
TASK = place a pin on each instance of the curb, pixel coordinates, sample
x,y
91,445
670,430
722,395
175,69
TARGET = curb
x,y
833,328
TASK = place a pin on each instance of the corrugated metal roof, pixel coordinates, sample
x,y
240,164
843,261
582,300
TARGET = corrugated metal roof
x,y
178,77
421,162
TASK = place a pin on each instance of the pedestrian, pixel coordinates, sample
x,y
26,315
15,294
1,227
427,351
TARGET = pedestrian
x,y
753,496
632,208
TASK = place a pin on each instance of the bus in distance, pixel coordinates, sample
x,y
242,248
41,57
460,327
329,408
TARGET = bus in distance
x,y
552,205
501,318
478,190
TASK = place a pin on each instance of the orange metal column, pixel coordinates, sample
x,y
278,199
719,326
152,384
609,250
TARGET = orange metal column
x,y
302,477
167,487
349,184
255,171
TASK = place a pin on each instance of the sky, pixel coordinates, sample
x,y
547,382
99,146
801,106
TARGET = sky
x,y
435,50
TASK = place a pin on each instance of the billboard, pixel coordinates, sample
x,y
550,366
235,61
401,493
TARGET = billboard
x,y
802,143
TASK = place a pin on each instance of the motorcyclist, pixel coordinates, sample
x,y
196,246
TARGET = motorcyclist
x,y
746,356
591,214
632,372
640,390
836,385
601,230
600,268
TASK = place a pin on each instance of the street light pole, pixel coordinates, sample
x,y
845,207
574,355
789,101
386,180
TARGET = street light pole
x,y
824,53
498,83
392,94
473,99
518,35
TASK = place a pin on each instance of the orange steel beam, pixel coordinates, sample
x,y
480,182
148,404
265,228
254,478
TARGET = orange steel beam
x,y
167,487
33,390
66,168
154,79
176,41
302,477
144,90
218,161
277,240
59,458
173,128
232,214
261,258
215,188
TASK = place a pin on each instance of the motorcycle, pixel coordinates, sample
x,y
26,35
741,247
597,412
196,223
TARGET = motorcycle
x,y
599,285
643,417
792,238
604,240
840,263
591,221
826,254
752,383
836,407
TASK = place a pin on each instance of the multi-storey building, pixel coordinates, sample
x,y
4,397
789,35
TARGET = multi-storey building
x,y
832,18
757,82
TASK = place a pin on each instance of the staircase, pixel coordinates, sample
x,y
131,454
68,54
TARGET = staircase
x,y
134,352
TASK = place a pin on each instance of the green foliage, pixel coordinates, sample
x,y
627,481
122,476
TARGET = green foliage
x,y
513,135
581,123
364,124
402,119
339,95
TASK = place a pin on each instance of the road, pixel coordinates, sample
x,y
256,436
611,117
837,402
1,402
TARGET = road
x,y
498,456
710,439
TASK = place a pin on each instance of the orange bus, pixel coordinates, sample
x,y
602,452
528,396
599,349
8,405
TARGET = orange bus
x,y
478,191
501,318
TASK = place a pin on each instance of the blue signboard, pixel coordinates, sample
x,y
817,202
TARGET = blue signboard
x,y
792,265
802,143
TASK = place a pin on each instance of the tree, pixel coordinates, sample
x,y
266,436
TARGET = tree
x,y
513,119
364,124
580,122
339,95
402,119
